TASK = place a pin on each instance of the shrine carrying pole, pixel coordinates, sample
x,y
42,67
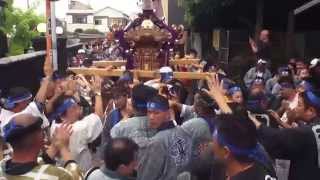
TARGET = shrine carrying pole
x,y
120,63
140,73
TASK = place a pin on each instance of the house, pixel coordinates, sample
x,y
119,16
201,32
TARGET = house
x,y
81,17
109,16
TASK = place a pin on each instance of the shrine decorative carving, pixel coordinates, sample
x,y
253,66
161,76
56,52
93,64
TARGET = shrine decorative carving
x,y
148,39
147,42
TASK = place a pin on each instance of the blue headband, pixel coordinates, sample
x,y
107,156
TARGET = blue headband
x,y
255,153
11,101
125,78
234,90
65,106
157,106
166,76
314,100
139,103
14,131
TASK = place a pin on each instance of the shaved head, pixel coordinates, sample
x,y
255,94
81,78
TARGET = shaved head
x,y
265,32
24,132
264,35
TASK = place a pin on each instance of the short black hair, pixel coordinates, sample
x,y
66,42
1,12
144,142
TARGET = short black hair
x,y
193,51
239,131
141,94
56,75
204,104
179,89
119,90
17,91
286,79
119,151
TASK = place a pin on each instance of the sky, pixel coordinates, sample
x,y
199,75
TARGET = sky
x,y
127,6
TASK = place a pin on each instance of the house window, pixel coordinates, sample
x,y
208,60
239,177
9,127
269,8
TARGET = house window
x,y
79,19
98,22
115,21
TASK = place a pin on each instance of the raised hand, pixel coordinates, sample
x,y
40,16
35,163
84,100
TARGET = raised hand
x,y
135,78
254,120
277,118
96,84
61,136
217,93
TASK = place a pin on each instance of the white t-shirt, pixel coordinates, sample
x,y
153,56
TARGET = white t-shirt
x,y
84,132
30,109
5,115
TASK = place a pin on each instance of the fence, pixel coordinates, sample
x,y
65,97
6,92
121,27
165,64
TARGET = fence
x,y
27,69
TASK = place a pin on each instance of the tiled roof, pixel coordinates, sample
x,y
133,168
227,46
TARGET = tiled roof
x,y
76,5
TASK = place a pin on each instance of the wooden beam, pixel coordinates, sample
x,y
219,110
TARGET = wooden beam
x,y
123,63
184,62
190,75
140,73
306,6
109,63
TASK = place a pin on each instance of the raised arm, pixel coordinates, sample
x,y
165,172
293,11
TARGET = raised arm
x,y
41,96
216,92
253,45
280,143
96,88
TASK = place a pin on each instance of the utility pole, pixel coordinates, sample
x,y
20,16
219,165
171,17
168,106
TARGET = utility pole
x,y
54,36
48,70
51,62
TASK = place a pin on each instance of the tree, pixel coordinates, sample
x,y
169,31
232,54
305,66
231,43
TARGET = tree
x,y
205,15
20,26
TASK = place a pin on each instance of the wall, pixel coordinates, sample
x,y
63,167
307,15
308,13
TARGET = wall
x,y
26,72
195,42
72,27
312,47
27,69
69,19
175,13
104,27
165,7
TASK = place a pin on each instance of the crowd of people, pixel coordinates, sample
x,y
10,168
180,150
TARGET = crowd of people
x,y
99,49
89,127
95,51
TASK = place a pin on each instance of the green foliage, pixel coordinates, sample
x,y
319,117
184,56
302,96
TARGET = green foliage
x,y
78,30
204,15
92,31
20,26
